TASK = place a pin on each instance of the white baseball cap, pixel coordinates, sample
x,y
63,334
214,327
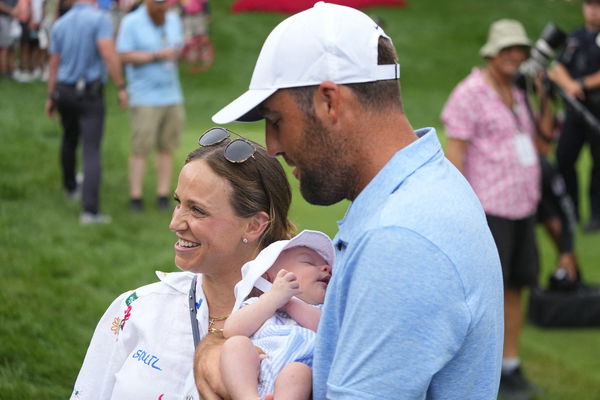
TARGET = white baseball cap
x,y
253,271
327,42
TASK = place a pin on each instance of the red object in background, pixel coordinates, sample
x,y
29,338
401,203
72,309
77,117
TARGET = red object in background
x,y
294,6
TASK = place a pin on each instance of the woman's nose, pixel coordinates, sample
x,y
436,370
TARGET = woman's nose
x,y
177,221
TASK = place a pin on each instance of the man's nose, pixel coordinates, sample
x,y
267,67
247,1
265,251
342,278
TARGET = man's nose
x,y
273,146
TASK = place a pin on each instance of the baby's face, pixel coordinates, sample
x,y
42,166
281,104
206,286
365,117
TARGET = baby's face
x,y
311,270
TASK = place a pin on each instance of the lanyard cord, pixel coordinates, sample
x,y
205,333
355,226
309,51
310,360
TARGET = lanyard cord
x,y
514,106
193,311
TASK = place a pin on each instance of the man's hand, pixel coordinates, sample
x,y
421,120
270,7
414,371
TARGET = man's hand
x,y
574,88
50,107
123,98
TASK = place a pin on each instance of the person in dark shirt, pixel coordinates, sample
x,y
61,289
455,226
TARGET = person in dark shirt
x,y
577,72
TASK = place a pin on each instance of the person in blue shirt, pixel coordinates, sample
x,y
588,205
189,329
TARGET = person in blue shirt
x,y
414,307
81,50
149,42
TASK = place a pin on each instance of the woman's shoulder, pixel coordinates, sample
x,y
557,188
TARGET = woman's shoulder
x,y
472,82
169,283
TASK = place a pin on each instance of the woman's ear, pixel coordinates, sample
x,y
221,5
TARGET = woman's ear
x,y
257,224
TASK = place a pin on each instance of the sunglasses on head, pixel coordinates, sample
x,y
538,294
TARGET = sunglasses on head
x,y
237,151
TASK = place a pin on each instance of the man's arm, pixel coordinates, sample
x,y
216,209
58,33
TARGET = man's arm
x,y
52,72
138,57
106,46
572,87
404,317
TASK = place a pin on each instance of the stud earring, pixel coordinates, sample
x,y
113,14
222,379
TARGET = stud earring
x,y
245,241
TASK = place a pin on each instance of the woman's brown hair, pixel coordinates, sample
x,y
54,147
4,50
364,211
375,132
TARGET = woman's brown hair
x,y
259,184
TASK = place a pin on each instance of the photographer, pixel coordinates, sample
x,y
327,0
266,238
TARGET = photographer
x,y
577,73
491,136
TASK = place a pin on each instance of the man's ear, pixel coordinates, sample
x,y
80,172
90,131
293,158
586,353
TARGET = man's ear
x,y
257,224
326,100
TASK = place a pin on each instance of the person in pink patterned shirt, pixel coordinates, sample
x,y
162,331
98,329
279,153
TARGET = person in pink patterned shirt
x,y
491,140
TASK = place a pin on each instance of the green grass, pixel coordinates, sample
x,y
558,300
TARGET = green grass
x,y
57,277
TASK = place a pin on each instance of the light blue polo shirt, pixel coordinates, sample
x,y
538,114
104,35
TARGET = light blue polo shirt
x,y
155,83
74,37
415,306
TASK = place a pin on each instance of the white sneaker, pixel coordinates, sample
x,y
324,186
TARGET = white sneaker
x,y
22,76
87,218
36,74
45,74
75,195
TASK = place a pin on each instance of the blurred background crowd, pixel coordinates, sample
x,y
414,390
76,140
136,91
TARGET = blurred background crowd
x,y
25,27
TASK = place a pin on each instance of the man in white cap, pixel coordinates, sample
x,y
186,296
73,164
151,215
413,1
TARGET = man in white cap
x,y
414,307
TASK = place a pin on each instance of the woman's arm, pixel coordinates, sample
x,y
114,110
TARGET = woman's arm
x,y
105,354
456,150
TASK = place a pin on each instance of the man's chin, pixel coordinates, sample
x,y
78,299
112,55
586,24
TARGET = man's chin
x,y
319,197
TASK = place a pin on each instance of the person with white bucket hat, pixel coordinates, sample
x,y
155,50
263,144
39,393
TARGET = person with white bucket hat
x,y
492,134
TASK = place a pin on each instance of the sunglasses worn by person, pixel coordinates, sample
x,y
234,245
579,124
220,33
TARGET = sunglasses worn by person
x,y
237,151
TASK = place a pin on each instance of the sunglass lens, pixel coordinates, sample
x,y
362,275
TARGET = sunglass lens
x,y
239,151
213,136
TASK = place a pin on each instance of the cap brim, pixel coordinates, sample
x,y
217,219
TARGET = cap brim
x,y
244,107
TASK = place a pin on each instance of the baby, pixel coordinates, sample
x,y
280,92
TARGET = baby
x,y
270,339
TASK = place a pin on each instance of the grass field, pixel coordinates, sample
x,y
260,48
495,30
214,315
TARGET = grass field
x,y
57,277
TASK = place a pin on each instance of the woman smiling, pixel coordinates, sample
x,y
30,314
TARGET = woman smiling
x,y
232,200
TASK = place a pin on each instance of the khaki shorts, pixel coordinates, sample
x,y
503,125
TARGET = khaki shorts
x,y
156,128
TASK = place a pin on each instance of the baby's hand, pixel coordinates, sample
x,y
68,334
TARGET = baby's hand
x,y
284,288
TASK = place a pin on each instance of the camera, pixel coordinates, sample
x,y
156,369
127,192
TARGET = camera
x,y
542,53
544,50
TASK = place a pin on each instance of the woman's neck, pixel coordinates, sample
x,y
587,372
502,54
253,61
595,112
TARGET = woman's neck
x,y
218,291
501,83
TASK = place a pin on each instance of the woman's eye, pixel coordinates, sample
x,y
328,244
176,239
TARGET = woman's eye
x,y
198,211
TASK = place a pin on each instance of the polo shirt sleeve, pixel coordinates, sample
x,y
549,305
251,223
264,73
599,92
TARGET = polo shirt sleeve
x,y
105,27
105,354
54,40
125,42
404,317
176,36
460,114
